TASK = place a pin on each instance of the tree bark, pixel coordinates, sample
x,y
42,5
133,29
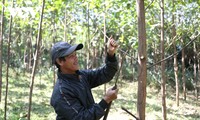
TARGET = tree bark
x,y
105,40
163,79
1,45
7,67
195,68
183,70
89,65
39,37
142,58
65,25
198,85
175,59
30,52
155,56
54,37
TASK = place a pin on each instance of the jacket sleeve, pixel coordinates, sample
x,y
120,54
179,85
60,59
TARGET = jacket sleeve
x,y
103,74
72,109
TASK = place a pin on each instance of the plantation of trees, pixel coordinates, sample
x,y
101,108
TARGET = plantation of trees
x,y
159,50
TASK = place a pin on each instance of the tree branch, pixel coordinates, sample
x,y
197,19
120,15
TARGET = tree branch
x,y
149,5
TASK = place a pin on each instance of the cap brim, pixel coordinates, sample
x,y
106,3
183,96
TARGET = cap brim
x,y
79,46
72,49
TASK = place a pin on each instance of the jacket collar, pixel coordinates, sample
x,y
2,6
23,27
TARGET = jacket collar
x,y
69,76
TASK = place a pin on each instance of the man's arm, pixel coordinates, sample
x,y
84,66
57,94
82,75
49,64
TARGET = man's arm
x,y
107,72
76,111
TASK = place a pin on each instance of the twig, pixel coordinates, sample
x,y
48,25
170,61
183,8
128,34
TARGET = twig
x,y
193,39
149,5
129,113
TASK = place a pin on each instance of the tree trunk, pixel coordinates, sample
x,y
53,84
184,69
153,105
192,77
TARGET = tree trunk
x,y
121,60
155,56
54,37
105,40
27,55
88,38
183,70
198,82
163,79
8,64
65,25
94,60
39,37
93,56
1,45
175,59
26,48
30,54
133,61
195,68
142,58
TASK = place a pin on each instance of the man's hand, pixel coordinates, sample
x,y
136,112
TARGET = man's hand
x,y
112,46
111,95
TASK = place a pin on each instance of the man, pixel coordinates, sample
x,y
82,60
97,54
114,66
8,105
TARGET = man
x,y
72,97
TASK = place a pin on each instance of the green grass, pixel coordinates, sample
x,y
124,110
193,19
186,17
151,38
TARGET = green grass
x,y
18,97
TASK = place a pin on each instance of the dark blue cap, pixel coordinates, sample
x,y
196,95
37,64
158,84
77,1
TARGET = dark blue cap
x,y
62,49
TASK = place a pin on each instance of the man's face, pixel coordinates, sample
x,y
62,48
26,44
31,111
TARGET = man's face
x,y
70,65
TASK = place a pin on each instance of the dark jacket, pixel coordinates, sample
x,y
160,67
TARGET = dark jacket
x,y
72,97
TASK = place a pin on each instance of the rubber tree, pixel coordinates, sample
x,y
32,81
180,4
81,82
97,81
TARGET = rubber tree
x,y
8,64
39,37
1,44
142,59
163,79
175,56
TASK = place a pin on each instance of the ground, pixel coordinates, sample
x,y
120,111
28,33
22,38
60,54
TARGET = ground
x,y
18,95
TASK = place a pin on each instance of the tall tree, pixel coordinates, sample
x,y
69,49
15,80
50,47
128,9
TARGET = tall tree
x,y
163,79
54,37
88,35
39,37
8,64
195,68
142,59
198,80
105,40
1,45
175,57
65,25
183,69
